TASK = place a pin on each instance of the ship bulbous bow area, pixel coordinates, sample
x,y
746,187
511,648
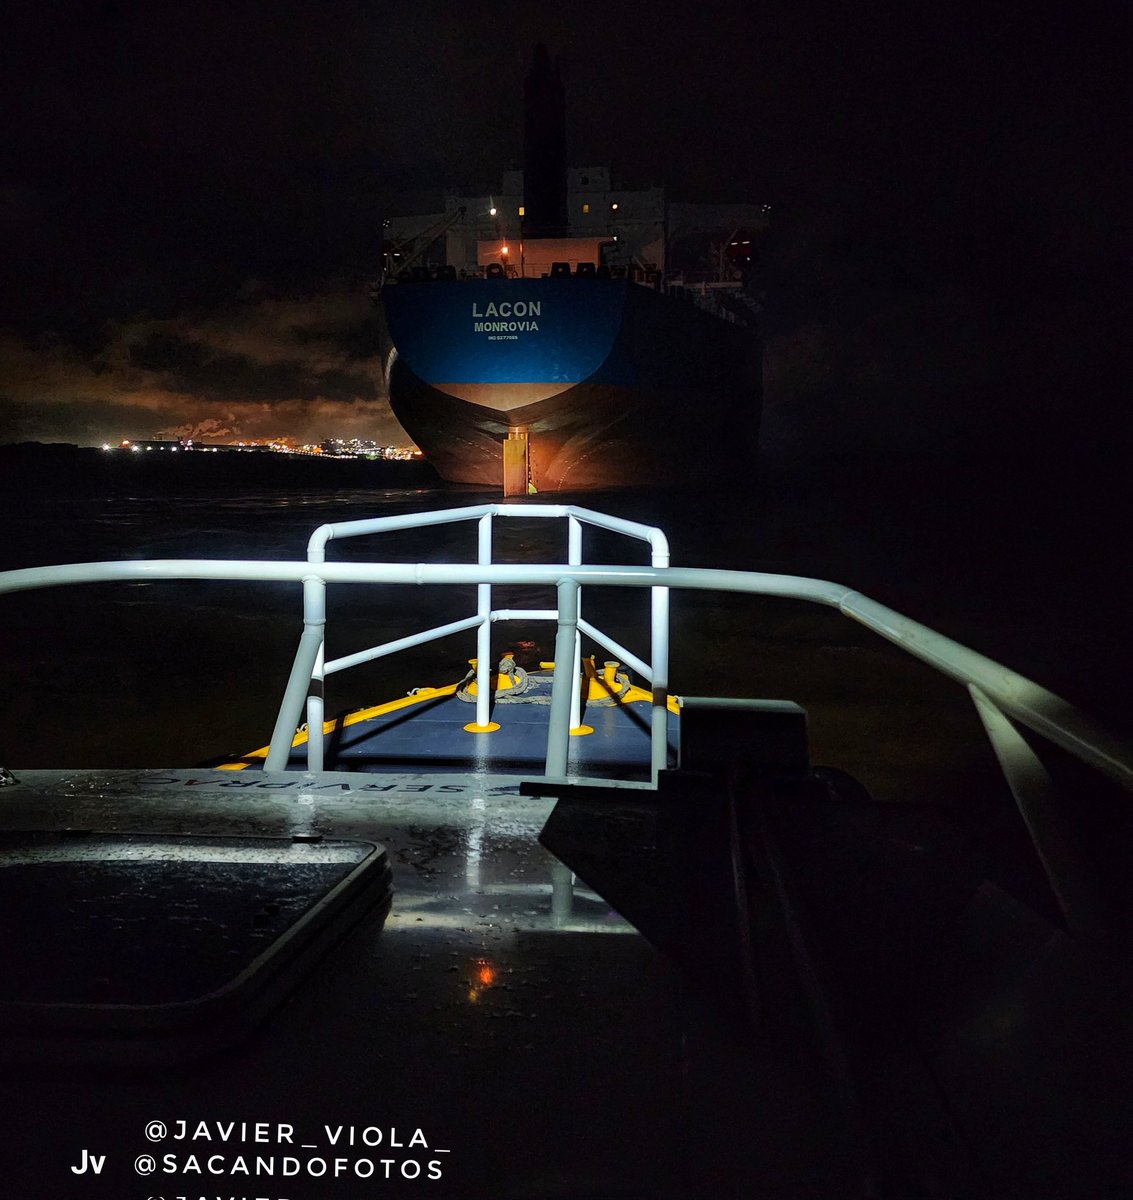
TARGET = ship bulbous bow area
x,y
591,436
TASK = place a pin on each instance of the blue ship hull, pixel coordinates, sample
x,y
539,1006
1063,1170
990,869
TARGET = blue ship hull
x,y
615,384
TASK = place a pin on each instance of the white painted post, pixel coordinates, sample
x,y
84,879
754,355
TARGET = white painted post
x,y
659,653
302,670
574,559
484,665
315,707
558,732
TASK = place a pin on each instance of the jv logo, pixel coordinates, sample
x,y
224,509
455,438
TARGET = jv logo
x,y
91,1162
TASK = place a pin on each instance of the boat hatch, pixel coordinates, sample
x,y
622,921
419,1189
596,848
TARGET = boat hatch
x,y
166,945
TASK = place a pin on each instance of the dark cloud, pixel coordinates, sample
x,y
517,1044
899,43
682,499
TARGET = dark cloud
x,y
165,350
197,369
71,419
348,386
158,157
276,366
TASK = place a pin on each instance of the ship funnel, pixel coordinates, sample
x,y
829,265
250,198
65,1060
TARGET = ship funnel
x,y
544,149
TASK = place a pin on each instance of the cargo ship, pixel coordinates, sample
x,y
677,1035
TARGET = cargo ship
x,y
569,335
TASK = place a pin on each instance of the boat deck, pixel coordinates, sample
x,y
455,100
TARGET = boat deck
x,y
431,731
539,1043
532,962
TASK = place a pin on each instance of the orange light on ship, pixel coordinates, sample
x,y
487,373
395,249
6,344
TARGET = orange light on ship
x,y
504,250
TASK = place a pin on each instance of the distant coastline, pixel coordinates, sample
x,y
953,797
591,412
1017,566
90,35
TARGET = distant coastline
x,y
61,466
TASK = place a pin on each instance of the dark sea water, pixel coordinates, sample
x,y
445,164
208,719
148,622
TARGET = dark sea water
x,y
1030,572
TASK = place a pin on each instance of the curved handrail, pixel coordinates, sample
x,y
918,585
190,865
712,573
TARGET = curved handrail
x,y
316,546
310,656
1021,698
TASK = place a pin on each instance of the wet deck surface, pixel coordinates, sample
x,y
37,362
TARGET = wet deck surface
x,y
622,1083
187,915
519,1023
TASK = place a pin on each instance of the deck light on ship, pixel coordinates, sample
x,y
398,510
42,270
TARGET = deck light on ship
x,y
492,211
614,206
504,250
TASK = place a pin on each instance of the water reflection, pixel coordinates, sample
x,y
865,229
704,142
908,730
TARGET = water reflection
x,y
475,843
483,870
484,974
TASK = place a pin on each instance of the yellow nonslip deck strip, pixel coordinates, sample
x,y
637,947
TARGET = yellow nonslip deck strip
x,y
420,696
632,695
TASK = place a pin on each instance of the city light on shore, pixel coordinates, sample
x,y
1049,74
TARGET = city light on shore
x,y
345,448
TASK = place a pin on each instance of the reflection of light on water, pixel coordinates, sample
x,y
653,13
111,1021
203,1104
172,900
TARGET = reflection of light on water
x,y
484,976
417,914
562,894
301,818
475,842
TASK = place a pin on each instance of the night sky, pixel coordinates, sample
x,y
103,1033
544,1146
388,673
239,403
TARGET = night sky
x,y
191,195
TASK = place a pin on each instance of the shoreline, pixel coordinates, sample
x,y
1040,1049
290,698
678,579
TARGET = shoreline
x,y
44,466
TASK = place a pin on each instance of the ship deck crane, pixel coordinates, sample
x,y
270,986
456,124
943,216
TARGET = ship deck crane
x,y
418,245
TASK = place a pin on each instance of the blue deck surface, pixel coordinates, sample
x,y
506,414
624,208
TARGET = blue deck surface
x,y
431,736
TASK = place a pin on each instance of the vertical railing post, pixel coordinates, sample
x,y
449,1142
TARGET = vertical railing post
x,y
484,664
1063,860
574,559
562,894
315,708
302,671
558,733
659,653
315,613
